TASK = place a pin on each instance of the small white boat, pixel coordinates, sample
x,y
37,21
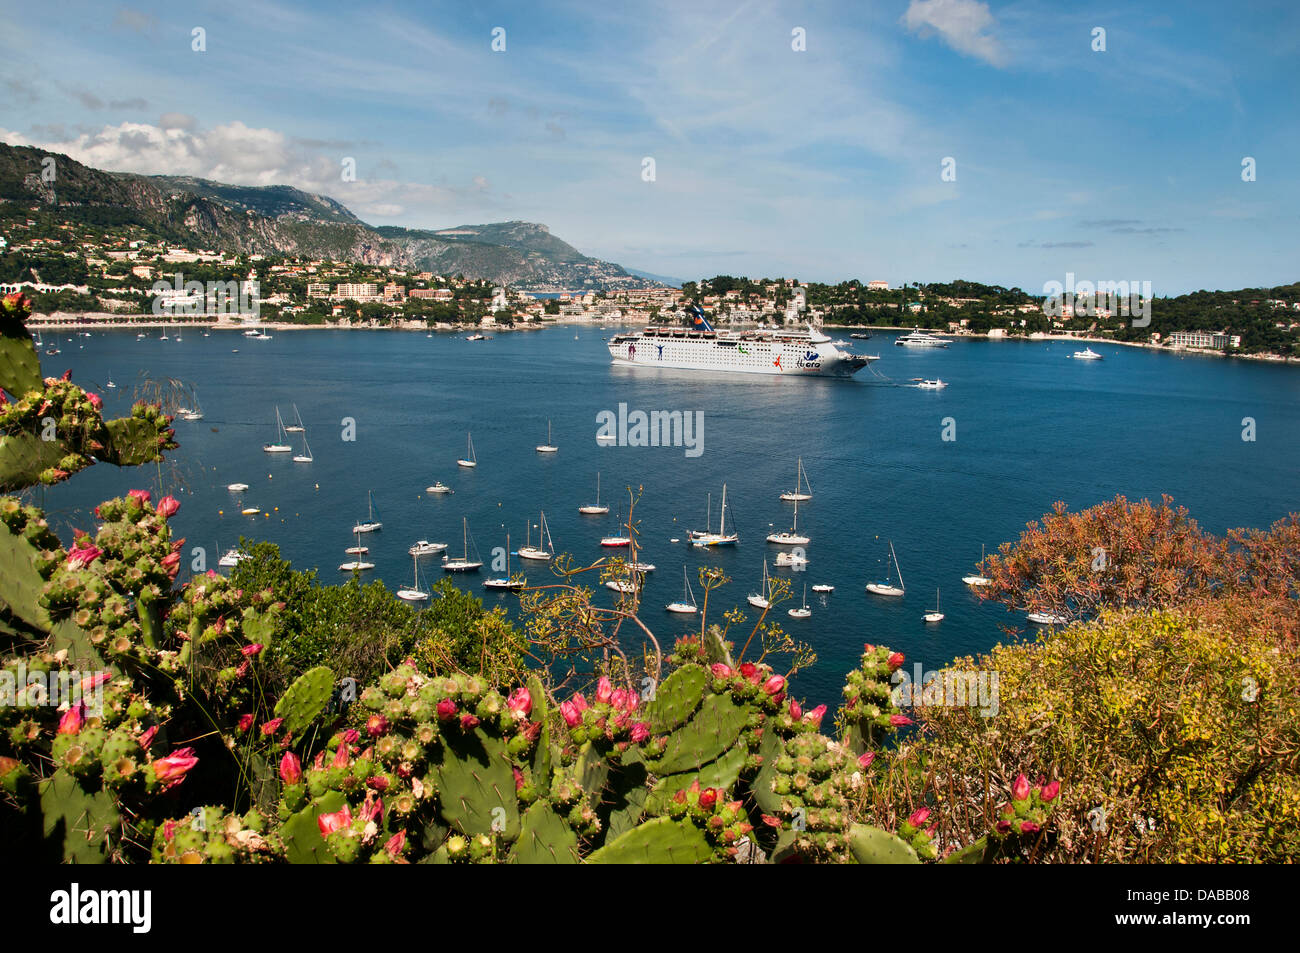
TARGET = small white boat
x,y
356,565
470,461
1087,354
279,446
110,385
791,559
802,489
641,567
930,385
464,564
621,585
616,540
687,605
297,427
439,488
232,557
1046,618
548,447
919,338
935,614
821,586
357,550
803,611
251,510
370,524
540,552
605,438
507,582
236,487
425,548
977,580
888,588
594,509
705,537
414,593
792,536
478,337
763,598
305,456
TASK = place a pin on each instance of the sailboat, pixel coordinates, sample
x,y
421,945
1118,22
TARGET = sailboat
x,y
721,537
548,447
802,489
191,413
110,385
464,564
790,537
763,598
887,588
297,427
617,539
470,461
305,456
280,446
594,509
507,581
358,564
370,524
544,549
687,605
976,579
415,593
1047,618
934,615
803,611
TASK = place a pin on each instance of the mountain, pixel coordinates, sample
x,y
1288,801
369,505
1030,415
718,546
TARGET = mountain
x,y
279,219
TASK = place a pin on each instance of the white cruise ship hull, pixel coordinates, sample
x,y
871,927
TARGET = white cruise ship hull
x,y
786,354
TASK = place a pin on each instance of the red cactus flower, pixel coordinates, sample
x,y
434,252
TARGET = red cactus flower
x,y
140,496
520,703
1050,791
603,689
571,714
169,830
815,716
377,783
446,709
79,556
468,721
73,719
172,563
774,684
898,721
168,506
721,670
250,650
895,660
633,701
395,844
749,671
771,821
796,710
865,759
290,768
351,736
519,777
1029,827
640,732
171,770
146,739
376,725
1004,827
95,400
1020,789
272,726
246,721
708,797
339,820
618,698
341,756
580,702
372,807
919,817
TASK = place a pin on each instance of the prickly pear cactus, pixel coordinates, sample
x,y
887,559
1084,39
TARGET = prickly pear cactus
x,y
305,699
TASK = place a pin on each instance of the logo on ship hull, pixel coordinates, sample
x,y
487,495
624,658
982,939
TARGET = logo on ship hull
x,y
810,361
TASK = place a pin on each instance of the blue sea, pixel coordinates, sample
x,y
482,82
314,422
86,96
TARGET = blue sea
x,y
1028,426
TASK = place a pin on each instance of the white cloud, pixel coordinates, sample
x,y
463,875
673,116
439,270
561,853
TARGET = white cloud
x,y
963,25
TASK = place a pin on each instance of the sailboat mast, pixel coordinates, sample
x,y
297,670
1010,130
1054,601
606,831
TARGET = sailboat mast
x,y
722,517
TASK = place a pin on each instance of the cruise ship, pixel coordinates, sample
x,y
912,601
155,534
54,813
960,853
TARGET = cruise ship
x,y
797,351
919,338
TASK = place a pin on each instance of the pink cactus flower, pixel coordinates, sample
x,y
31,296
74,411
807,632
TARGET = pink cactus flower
x,y
618,698
1020,789
73,719
290,768
1050,791
749,671
372,808
468,721
246,721
519,777
865,759
774,684
721,670
580,702
272,726
377,783
919,817
92,682
571,714
249,650
1029,827
446,709
140,496
815,716
79,556
520,703
899,721
395,844
895,660
341,756
708,797
172,769
95,400
146,739
640,732
796,710
603,690
338,821
351,736
168,506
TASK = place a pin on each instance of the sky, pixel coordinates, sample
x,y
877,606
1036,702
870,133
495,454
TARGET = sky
x,y
903,140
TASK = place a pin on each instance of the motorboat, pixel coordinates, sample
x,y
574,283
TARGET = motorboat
x,y
425,548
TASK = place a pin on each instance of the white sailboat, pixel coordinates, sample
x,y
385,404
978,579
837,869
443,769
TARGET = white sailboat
x,y
279,446
594,509
464,564
887,588
763,598
305,456
414,593
544,549
687,604
297,427
792,536
470,461
721,537
358,564
371,523
617,539
1046,618
233,557
935,614
803,611
823,587
802,489
507,581
548,447
110,385
975,579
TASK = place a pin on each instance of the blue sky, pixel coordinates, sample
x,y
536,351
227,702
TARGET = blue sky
x,y
822,164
